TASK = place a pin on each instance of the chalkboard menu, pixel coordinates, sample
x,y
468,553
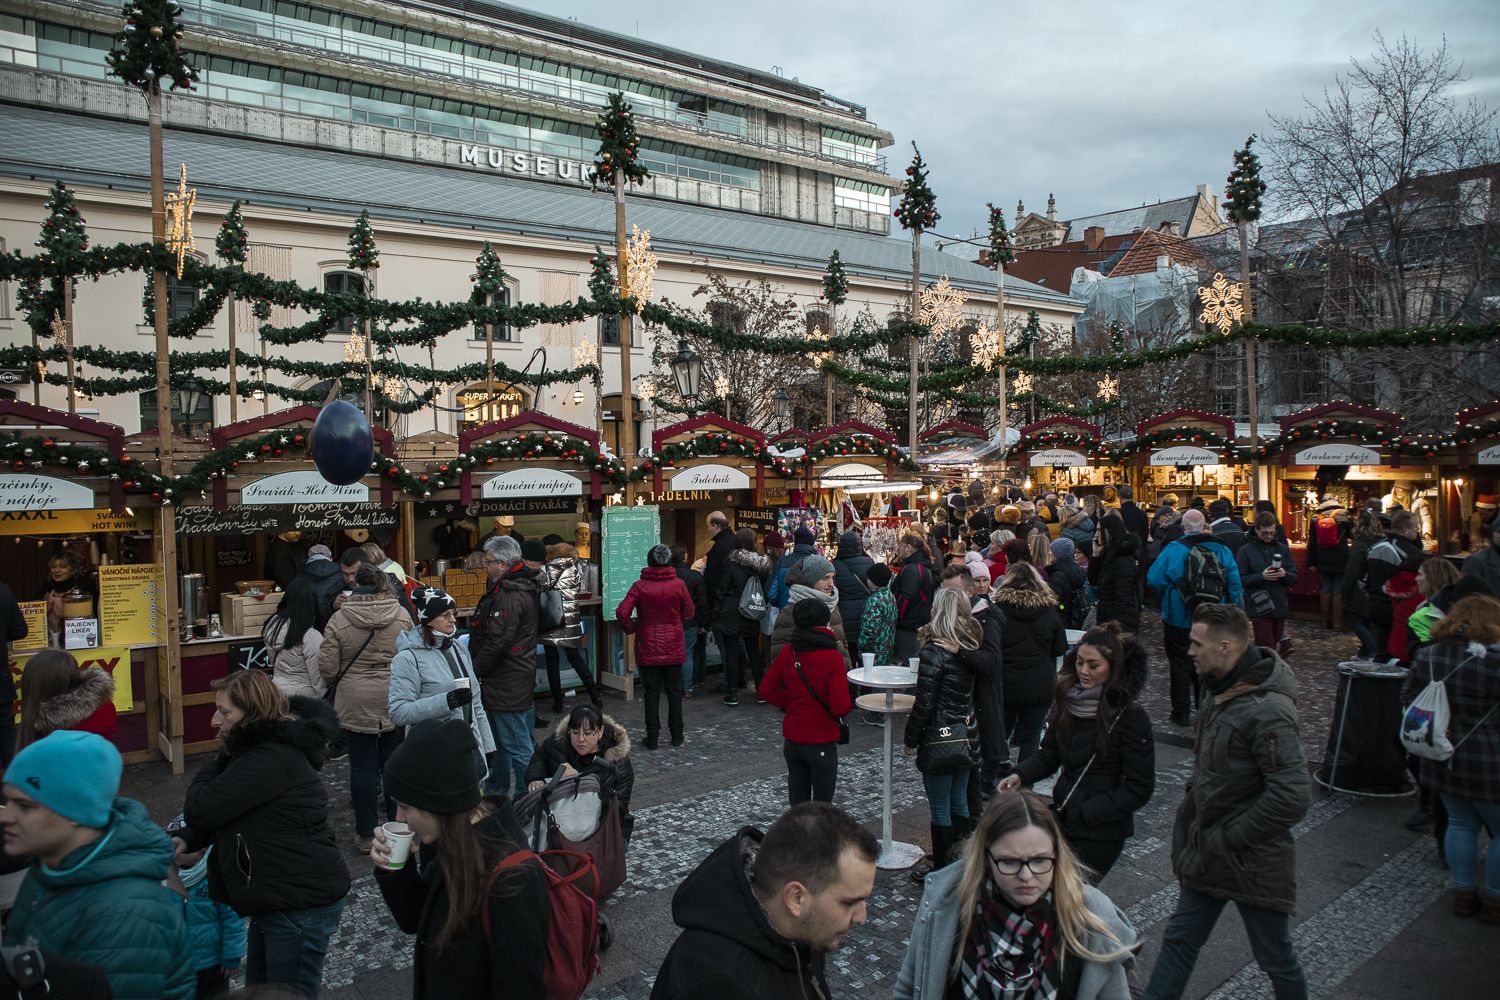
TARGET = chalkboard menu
x,y
629,533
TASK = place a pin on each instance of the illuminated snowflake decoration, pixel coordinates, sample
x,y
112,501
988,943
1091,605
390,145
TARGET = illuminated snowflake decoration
x,y
986,346
179,205
1109,387
1022,383
721,386
648,386
354,348
941,306
640,266
1222,306
584,353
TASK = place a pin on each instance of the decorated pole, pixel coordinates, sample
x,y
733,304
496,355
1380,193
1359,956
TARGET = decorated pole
x,y
148,49
489,287
232,247
617,163
1242,204
63,235
364,257
1001,253
916,211
836,293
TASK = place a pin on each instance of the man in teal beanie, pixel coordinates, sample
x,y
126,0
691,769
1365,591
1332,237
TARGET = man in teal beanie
x,y
93,891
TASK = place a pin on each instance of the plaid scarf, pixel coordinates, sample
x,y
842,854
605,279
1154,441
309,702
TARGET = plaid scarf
x,y
1010,954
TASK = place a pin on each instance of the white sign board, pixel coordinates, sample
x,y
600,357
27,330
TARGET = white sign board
x,y
1184,454
43,493
1490,456
80,633
851,474
1337,454
710,477
301,487
531,483
1059,457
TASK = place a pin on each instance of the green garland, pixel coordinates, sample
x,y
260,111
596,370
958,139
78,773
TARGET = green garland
x,y
1470,433
523,447
1057,437
717,444
33,452
1377,435
1165,437
857,445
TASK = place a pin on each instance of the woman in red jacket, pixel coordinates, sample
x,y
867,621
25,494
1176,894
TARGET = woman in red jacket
x,y
655,610
807,682
55,695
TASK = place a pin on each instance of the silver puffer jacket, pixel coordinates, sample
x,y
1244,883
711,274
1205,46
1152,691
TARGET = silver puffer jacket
x,y
563,574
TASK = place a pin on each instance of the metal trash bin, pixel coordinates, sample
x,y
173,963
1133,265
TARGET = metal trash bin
x,y
1365,756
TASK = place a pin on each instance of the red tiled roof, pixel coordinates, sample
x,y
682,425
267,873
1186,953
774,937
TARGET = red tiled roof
x,y
1052,267
1141,258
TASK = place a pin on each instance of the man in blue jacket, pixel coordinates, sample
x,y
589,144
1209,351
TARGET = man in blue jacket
x,y
1169,574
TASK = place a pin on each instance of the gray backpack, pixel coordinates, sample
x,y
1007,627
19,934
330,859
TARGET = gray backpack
x,y
753,600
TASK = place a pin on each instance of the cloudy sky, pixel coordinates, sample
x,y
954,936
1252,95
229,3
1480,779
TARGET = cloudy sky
x,y
1106,106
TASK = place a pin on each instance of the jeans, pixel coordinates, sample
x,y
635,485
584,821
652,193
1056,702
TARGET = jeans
x,y
1023,724
1184,678
287,947
1330,583
1192,923
1364,631
1461,842
368,754
513,750
554,673
698,653
947,796
654,679
1381,614
689,666
812,770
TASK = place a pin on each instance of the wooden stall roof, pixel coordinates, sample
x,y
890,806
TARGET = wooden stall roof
x,y
1047,423
525,422
853,427
1186,417
304,413
63,426
1343,410
707,423
953,429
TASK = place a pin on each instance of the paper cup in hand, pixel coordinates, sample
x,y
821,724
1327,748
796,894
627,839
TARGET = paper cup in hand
x,y
461,682
867,660
398,835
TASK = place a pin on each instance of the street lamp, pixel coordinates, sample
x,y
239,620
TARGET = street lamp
x,y
189,396
687,369
781,405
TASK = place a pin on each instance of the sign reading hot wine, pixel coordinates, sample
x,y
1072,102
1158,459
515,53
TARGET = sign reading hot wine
x,y
43,493
710,477
1337,454
531,483
301,487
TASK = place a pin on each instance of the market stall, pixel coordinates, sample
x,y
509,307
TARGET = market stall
x,y
856,471
1182,454
1063,453
1470,471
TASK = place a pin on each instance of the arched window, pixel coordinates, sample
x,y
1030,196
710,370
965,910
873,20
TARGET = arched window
x,y
342,282
484,404
612,424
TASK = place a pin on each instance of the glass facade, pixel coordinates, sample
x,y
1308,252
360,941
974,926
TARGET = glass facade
x,y
861,196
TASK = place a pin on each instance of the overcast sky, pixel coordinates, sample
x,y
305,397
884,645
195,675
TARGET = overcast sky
x,y
1106,106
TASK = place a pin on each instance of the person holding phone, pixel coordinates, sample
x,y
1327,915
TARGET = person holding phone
x,y
1268,574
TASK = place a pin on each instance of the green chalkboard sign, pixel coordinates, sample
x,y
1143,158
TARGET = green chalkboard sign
x,y
629,532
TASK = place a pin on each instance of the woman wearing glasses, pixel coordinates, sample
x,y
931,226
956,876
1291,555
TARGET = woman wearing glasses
x,y
1015,918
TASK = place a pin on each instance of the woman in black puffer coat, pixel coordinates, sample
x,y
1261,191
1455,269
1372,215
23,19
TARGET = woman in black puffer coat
x,y
739,637
1033,640
1100,738
1114,572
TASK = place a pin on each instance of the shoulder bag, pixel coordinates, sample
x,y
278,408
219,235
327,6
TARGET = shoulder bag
x,y
843,726
334,684
1059,807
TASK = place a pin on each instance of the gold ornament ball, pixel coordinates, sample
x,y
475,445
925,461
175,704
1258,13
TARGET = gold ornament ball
x,y
156,31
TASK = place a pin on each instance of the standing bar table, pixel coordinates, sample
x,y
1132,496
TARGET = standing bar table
x,y
894,855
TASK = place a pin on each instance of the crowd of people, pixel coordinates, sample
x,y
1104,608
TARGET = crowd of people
x,y
440,731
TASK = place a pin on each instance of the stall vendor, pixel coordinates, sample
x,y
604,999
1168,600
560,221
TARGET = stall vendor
x,y
66,573
284,557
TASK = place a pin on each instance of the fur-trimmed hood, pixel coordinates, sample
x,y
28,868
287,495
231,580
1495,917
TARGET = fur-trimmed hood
x,y
1133,675
562,550
614,746
1016,599
313,726
753,561
70,708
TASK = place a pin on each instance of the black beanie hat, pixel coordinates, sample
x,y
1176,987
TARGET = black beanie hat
x,y
879,575
534,550
433,768
810,613
1219,508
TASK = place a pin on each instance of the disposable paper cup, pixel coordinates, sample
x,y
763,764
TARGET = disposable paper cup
x,y
868,659
398,835
913,663
461,682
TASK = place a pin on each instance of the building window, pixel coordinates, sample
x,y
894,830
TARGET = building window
x,y
484,404
609,332
860,196
502,331
341,283
202,417
182,298
612,424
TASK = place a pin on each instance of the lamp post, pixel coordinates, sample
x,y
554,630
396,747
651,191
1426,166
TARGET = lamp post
x,y
781,405
687,371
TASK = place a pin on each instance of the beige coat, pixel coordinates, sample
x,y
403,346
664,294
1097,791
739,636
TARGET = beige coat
x,y
785,626
363,694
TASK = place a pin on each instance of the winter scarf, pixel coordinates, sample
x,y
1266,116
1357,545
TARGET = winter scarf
x,y
1011,955
1083,703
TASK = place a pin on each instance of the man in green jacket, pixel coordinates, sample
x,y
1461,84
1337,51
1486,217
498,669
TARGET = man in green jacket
x,y
93,892
1232,841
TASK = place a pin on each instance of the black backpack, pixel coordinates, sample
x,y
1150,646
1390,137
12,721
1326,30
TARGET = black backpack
x,y
1202,578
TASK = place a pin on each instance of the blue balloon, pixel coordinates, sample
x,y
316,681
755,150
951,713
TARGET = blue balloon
x,y
342,444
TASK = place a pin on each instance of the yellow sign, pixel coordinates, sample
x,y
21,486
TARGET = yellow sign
x,y
35,613
70,522
130,605
113,660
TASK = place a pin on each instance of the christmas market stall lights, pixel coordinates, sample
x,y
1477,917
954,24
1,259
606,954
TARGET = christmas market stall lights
x,y
1181,454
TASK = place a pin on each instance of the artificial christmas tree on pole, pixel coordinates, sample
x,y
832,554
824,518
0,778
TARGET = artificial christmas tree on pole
x,y
147,51
1001,253
617,162
364,257
489,289
835,293
916,211
62,235
232,246
1242,195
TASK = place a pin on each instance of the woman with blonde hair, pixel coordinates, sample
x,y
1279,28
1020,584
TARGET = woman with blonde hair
x,y
940,728
1040,547
1015,918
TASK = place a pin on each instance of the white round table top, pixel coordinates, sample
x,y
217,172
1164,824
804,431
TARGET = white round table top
x,y
883,677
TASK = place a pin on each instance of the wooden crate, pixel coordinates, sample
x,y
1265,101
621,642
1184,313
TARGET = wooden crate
x,y
465,586
240,615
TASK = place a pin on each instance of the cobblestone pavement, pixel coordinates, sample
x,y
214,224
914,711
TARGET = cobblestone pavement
x,y
1371,894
